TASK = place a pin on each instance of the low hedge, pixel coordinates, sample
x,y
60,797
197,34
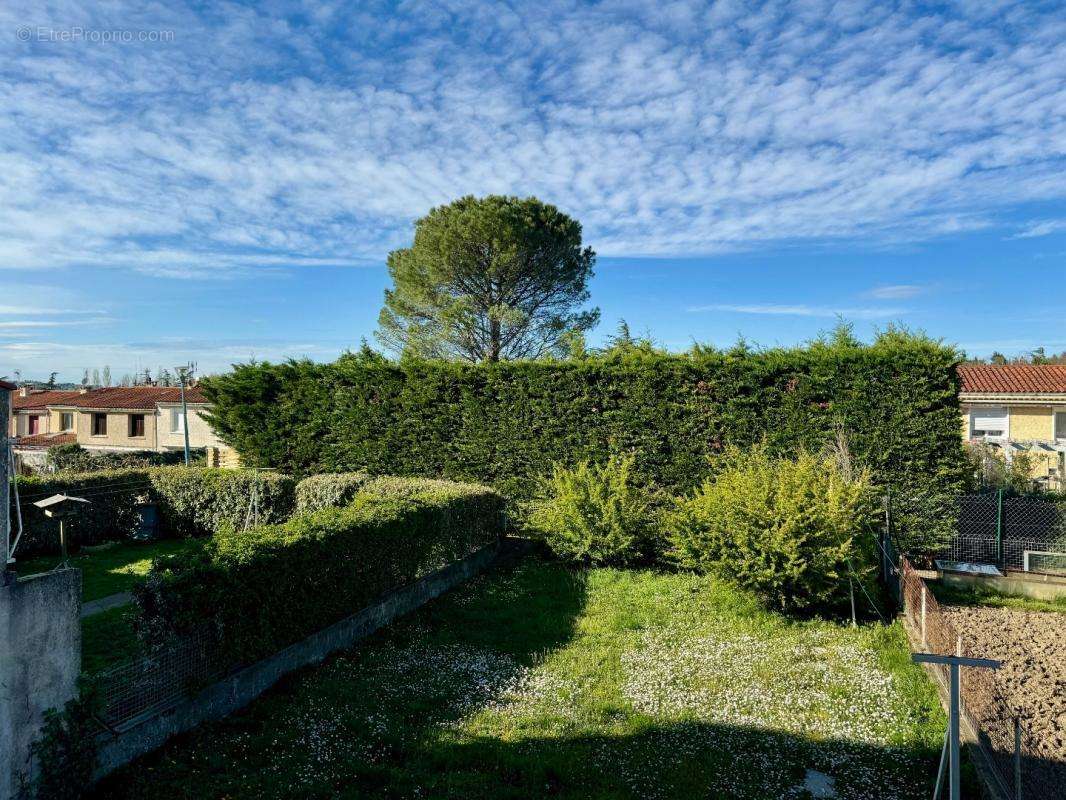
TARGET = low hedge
x,y
111,515
197,501
329,490
192,501
263,589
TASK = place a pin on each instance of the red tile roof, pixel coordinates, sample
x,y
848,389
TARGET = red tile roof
x,y
46,439
40,399
138,397
1013,378
135,397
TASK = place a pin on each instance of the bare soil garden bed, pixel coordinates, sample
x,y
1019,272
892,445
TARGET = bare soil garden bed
x,y
1032,646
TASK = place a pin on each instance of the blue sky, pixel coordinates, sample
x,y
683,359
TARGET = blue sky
x,y
222,181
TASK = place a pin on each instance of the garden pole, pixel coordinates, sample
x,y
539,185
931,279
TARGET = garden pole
x,y
955,663
940,770
999,527
1017,758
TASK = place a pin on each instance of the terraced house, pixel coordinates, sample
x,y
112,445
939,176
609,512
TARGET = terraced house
x,y
1019,408
112,418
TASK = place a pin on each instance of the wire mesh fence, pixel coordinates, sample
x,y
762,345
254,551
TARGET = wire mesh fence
x,y
1014,533
1017,761
145,686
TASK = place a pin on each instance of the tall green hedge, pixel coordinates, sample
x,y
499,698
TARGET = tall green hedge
x,y
503,424
268,587
192,501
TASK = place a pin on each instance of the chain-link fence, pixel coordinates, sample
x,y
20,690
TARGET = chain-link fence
x,y
1015,759
145,686
1014,533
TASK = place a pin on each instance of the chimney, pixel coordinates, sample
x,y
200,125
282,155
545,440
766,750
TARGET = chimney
x,y
83,390
23,391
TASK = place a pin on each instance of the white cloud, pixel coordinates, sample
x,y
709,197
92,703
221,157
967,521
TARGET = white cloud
x,y
1044,228
256,140
901,291
37,358
802,310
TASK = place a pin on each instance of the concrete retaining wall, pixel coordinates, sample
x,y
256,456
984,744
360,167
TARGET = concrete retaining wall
x,y
40,659
241,688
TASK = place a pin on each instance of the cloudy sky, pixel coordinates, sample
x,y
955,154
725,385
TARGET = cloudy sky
x,y
222,181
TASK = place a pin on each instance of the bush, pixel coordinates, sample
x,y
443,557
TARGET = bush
x,y
110,516
792,530
328,490
592,514
75,458
193,501
198,501
506,424
271,586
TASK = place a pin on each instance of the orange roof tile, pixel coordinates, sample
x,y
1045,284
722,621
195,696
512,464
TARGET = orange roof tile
x,y
1013,378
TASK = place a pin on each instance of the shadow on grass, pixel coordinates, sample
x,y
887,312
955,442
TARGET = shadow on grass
x,y
418,711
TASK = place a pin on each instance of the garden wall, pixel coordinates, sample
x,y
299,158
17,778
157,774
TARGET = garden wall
x,y
504,424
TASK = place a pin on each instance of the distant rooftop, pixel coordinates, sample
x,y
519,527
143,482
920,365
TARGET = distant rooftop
x,y
118,397
1013,378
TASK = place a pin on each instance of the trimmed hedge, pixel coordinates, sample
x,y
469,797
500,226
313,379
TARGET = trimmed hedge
x,y
329,490
192,501
197,501
111,515
506,424
266,588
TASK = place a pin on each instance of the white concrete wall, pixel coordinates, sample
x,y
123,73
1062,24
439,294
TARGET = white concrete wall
x,y
40,659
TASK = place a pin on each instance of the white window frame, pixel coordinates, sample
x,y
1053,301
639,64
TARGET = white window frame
x,y
178,421
1055,411
1006,428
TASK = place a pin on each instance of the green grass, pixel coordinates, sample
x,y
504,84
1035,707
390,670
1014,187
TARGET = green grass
x,y
107,639
538,680
980,596
113,569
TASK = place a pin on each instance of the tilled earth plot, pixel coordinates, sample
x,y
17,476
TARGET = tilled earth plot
x,y
1032,646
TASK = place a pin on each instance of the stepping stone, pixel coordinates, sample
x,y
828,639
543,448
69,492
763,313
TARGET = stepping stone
x,y
819,785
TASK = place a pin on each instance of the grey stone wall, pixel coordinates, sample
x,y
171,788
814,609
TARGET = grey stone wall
x,y
40,659
241,688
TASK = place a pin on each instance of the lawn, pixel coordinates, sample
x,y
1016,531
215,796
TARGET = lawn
x,y
107,639
113,568
538,680
990,598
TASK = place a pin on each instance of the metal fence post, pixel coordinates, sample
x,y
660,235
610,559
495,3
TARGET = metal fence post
x,y
999,527
925,643
1017,758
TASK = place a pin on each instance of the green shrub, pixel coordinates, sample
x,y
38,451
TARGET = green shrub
x,y
792,530
75,458
197,501
506,424
592,514
328,490
193,501
268,587
110,516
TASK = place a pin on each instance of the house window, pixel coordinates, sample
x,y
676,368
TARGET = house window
x,y
66,421
177,421
35,424
1060,424
136,426
989,423
99,424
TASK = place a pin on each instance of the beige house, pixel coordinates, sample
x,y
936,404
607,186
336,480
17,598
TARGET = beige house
x,y
112,419
1018,408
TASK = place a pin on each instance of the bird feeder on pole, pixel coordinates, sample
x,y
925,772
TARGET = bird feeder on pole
x,y
62,507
